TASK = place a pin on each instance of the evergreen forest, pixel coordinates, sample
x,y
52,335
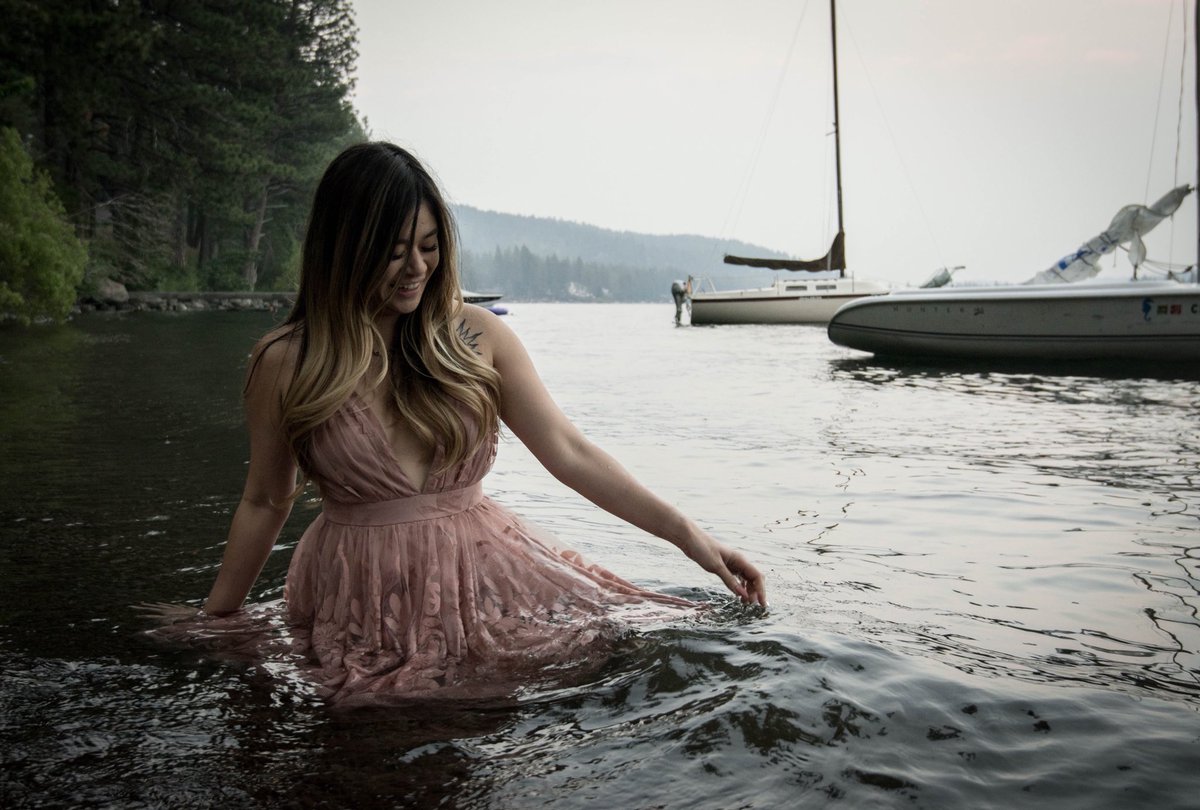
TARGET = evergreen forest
x,y
180,139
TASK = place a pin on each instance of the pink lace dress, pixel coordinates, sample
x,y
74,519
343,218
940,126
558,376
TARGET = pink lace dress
x,y
393,592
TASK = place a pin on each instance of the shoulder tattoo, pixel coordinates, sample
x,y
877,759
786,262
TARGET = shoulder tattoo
x,y
469,337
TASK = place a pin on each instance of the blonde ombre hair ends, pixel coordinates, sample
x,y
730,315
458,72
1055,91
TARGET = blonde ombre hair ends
x,y
445,392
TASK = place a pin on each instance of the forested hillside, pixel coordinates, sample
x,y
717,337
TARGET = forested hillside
x,y
183,139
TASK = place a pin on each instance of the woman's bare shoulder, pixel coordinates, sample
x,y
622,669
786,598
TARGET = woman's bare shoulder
x,y
473,315
480,328
275,357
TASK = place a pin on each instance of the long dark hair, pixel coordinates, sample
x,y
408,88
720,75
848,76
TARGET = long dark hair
x,y
365,196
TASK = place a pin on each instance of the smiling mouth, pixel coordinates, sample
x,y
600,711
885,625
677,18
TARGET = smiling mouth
x,y
410,287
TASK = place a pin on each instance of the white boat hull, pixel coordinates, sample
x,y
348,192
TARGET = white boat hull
x,y
1131,320
480,298
781,303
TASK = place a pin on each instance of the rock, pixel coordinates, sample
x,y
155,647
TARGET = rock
x,y
111,292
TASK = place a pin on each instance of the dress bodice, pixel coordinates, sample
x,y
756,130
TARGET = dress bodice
x,y
352,461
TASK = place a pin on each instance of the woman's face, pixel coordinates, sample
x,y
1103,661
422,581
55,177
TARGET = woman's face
x,y
412,265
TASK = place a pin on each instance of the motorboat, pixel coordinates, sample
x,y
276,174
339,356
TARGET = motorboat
x,y
1059,314
1149,320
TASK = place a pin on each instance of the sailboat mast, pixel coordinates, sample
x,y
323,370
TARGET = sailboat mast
x,y
836,257
837,130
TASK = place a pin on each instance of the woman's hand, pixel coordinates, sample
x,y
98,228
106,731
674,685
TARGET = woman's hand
x,y
738,573
168,612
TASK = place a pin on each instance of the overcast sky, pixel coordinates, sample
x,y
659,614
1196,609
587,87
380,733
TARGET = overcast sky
x,y
998,135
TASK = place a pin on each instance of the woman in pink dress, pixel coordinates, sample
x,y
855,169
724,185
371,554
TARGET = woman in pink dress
x,y
386,390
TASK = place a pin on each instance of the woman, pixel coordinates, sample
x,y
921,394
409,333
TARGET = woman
x,y
387,391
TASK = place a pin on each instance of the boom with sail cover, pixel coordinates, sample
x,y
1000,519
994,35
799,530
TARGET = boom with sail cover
x,y
835,259
1129,225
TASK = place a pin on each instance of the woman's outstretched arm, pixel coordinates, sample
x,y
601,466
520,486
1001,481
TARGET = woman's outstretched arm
x,y
266,499
532,415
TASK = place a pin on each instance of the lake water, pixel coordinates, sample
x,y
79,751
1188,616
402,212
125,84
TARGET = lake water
x,y
984,583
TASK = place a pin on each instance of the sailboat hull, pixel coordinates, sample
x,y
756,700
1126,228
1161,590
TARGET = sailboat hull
x,y
787,302
1132,320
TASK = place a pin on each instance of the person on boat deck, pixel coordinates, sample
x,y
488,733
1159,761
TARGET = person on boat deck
x,y
387,391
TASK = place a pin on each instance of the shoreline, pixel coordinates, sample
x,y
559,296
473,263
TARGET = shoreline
x,y
154,301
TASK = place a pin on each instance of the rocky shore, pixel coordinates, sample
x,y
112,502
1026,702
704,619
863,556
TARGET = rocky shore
x,y
113,297
110,296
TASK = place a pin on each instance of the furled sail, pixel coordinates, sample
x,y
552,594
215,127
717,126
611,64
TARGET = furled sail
x,y
1129,225
940,278
835,259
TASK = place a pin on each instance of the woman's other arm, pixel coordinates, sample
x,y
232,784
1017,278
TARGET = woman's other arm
x,y
266,499
533,416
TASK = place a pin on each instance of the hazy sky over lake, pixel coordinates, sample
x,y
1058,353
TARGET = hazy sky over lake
x,y
996,135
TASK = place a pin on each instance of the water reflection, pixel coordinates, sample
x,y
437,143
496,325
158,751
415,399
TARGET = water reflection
x,y
1178,619
1132,432
1039,497
38,405
882,369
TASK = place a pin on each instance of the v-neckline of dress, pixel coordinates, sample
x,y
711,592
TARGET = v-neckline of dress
x,y
382,437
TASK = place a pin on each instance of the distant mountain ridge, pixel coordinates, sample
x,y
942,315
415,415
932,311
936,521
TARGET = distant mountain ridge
x,y
544,259
483,231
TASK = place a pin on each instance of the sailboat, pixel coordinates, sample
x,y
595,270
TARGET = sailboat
x,y
788,300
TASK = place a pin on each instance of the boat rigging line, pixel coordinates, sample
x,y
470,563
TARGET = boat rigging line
x,y
1162,80
887,127
739,198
